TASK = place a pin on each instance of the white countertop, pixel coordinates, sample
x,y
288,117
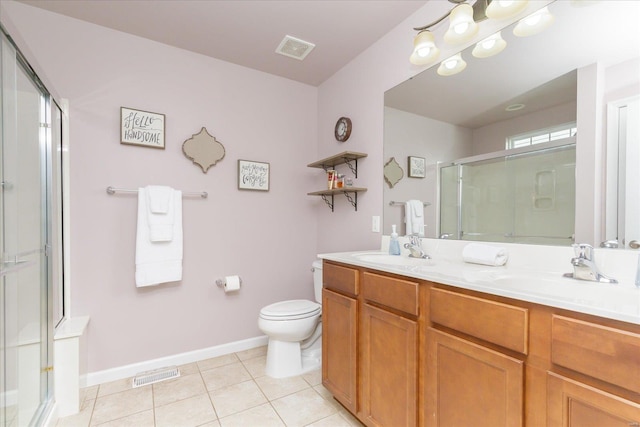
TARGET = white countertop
x,y
519,279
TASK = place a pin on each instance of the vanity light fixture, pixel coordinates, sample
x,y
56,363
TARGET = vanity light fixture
x,y
534,23
490,46
462,27
452,65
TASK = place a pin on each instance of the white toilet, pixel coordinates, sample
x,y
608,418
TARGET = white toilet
x,y
294,329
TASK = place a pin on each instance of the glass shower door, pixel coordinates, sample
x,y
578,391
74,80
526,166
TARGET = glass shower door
x,y
486,213
25,332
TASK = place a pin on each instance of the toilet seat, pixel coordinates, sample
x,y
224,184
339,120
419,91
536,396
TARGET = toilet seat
x,y
291,310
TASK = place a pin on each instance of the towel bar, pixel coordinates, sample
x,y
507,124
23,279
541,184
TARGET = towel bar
x,y
392,203
113,190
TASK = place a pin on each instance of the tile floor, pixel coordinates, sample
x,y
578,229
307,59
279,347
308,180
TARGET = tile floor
x,y
225,391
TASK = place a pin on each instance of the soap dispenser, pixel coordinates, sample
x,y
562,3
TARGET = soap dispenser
x,y
394,245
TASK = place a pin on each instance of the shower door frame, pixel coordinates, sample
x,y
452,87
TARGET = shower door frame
x,y
50,246
504,154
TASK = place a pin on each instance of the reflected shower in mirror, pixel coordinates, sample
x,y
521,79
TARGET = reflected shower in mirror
x,y
499,106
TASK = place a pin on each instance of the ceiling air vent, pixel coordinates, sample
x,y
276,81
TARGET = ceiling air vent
x,y
294,48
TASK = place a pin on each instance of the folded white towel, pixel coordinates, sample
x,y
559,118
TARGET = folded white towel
x,y
478,253
159,197
161,261
160,211
414,217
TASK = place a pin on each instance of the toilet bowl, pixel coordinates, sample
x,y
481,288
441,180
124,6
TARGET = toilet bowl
x,y
294,329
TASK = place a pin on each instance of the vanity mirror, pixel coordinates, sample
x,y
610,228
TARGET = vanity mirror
x,y
565,77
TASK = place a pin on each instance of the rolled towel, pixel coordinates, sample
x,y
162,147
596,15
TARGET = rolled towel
x,y
478,253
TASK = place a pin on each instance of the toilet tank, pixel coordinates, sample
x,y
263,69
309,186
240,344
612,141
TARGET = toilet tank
x,y
316,267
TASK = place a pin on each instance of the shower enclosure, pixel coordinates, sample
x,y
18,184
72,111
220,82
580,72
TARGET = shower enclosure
x,y
29,251
526,197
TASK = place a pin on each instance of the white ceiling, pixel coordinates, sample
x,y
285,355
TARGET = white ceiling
x,y
247,32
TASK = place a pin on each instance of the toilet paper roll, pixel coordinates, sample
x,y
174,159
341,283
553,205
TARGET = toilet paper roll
x,y
231,283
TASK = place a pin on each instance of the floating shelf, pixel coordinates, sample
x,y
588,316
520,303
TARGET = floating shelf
x,y
325,194
350,158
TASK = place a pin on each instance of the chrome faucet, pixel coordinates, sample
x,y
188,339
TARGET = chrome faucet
x,y
584,265
415,247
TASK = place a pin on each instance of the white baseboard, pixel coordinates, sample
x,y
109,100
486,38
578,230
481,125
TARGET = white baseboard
x,y
113,374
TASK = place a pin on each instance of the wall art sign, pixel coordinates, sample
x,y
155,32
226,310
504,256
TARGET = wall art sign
x,y
417,167
141,128
253,175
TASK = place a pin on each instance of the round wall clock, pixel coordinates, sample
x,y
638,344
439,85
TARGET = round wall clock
x,y
343,129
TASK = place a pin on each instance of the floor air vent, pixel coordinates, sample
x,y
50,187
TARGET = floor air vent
x,y
150,377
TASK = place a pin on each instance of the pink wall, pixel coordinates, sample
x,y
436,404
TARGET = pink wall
x,y
268,238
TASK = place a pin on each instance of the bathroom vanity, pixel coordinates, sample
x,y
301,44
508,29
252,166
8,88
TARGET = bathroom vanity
x,y
410,342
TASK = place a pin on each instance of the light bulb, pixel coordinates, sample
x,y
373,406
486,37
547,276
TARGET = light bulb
x,y
461,28
490,46
533,19
452,65
423,52
534,23
424,49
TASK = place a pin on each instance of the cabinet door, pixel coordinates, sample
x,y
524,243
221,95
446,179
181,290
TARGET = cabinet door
x,y
389,368
573,404
339,347
470,385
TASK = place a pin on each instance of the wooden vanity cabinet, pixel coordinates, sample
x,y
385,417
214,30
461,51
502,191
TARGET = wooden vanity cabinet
x,y
339,330
389,351
469,383
604,356
574,404
404,352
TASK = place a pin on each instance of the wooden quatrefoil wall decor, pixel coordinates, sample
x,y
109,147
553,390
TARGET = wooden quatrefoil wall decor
x,y
203,150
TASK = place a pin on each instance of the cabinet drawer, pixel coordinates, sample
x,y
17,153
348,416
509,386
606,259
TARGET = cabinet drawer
x,y
341,279
494,322
608,354
394,293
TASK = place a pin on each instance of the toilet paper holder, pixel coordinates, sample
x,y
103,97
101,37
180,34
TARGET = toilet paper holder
x,y
222,282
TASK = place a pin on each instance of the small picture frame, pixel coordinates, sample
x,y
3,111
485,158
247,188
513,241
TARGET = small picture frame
x,y
417,167
253,175
141,128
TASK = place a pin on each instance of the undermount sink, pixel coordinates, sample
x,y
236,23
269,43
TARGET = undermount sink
x,y
383,258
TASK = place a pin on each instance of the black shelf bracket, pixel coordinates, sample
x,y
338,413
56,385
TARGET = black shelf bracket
x,y
329,203
353,200
353,167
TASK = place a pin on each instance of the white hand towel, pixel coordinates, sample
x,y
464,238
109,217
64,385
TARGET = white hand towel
x,y
478,253
414,217
158,262
160,211
159,198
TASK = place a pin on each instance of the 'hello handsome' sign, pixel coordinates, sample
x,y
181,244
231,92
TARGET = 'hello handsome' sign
x,y
141,128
